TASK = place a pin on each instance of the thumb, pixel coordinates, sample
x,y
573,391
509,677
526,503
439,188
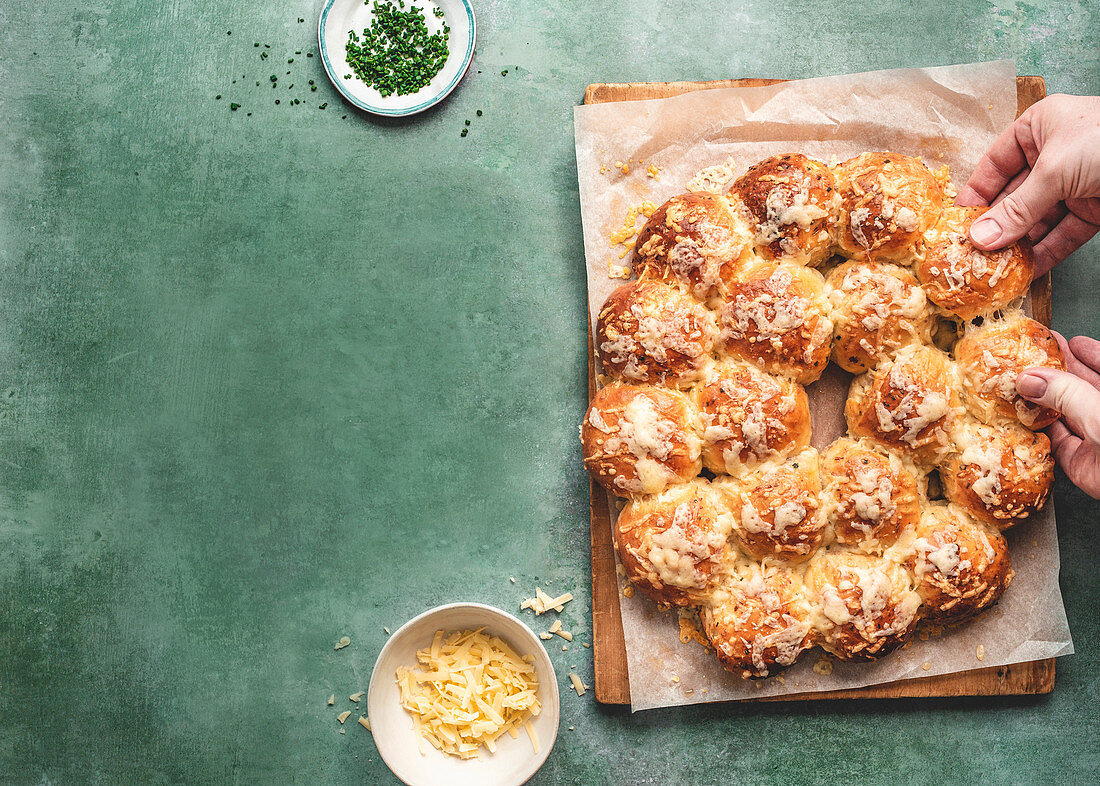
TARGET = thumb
x,y
1076,400
1015,215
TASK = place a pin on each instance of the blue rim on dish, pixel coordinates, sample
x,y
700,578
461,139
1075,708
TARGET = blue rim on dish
x,y
374,109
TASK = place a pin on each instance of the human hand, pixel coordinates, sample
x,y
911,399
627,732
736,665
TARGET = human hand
x,y
1042,176
1076,394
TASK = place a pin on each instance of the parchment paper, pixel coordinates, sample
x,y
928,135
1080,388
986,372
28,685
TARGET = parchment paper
x,y
946,115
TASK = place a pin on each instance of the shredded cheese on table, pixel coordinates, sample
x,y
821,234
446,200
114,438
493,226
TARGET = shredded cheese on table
x,y
542,603
469,689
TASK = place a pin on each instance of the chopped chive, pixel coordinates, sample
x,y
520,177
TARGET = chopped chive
x,y
479,113
234,107
218,97
324,105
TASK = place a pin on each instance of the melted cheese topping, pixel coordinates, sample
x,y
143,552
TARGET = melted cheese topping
x,y
468,689
785,209
675,554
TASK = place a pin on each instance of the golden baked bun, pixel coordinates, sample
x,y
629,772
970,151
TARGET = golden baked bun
x,y
648,331
993,355
961,566
1000,474
966,282
866,605
792,206
777,509
640,438
869,494
877,308
909,404
671,544
748,416
759,624
776,314
696,239
889,201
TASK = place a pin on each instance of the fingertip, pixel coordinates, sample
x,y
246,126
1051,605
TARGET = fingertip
x,y
985,233
1031,384
968,197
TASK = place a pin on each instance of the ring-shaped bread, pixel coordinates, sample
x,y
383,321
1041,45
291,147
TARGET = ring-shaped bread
x,y
708,352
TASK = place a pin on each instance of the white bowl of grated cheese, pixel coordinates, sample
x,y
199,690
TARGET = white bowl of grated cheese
x,y
404,737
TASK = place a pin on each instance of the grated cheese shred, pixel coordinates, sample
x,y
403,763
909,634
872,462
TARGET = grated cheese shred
x,y
468,689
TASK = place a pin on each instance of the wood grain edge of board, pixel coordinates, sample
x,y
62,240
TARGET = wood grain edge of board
x,y
611,676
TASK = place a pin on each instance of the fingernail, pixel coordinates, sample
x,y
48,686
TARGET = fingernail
x,y
1031,385
985,231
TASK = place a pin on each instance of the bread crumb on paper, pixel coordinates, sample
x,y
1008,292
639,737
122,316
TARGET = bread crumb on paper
x,y
980,652
343,716
343,642
824,667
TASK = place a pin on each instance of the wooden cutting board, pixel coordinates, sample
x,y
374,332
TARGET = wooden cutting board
x,y
609,647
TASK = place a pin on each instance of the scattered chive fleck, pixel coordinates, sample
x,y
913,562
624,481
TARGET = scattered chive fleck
x,y
309,54
291,60
256,44
229,32
257,84
504,72
479,113
467,122
323,106
313,89
218,97
464,132
438,12
300,20
263,55
276,100
234,107
397,54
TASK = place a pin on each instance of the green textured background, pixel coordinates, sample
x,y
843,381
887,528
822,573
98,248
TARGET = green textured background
x,y
266,380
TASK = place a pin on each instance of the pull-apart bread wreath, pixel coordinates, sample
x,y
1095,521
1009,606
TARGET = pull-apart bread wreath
x,y
703,424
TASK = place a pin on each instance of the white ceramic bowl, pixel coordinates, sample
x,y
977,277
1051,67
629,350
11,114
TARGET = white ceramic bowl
x,y
340,16
514,761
